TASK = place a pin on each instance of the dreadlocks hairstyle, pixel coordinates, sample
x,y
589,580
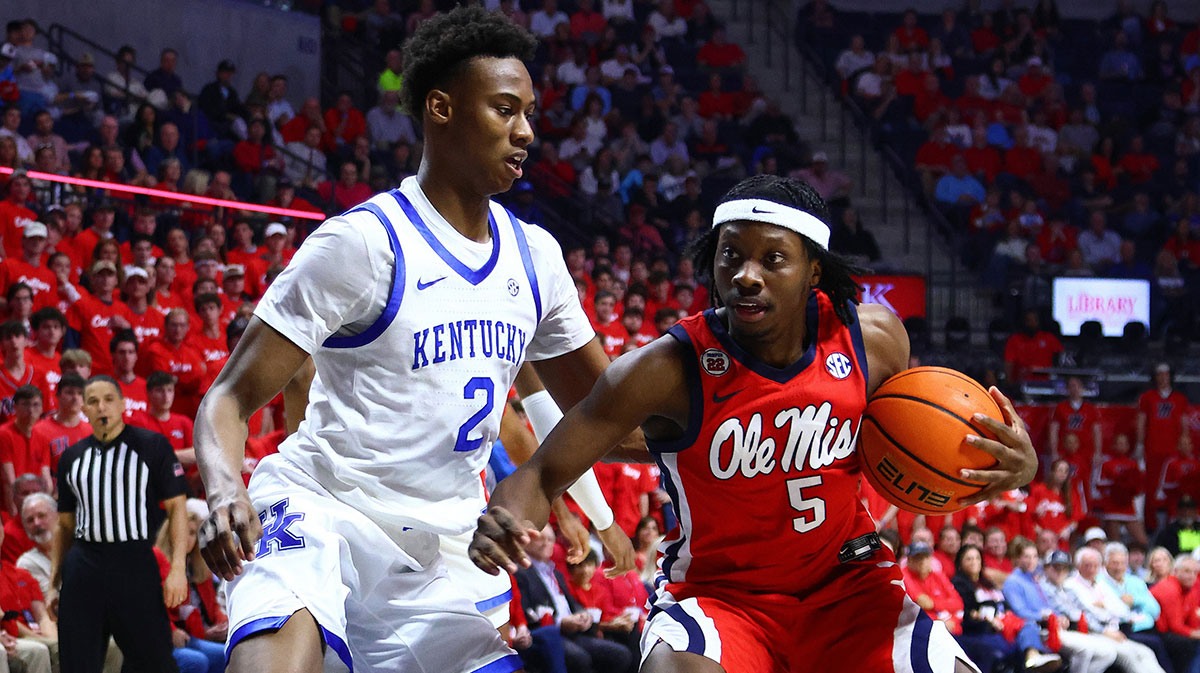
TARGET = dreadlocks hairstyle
x,y
836,271
437,52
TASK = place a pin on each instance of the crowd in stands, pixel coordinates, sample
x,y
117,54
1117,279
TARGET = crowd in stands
x,y
1055,147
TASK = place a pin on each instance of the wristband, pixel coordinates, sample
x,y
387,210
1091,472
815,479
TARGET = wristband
x,y
543,415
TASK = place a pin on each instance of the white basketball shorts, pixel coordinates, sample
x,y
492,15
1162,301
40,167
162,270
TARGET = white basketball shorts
x,y
382,604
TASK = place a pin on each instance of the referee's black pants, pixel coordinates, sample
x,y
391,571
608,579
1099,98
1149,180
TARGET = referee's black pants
x,y
113,589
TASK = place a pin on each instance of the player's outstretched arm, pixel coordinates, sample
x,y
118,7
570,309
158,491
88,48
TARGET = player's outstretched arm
x,y
263,362
646,385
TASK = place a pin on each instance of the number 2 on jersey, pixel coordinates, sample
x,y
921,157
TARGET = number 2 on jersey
x,y
796,499
470,392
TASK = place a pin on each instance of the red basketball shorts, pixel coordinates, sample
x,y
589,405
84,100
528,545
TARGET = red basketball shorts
x,y
861,622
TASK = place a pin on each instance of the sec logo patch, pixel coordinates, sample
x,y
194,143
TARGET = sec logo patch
x,y
714,362
838,365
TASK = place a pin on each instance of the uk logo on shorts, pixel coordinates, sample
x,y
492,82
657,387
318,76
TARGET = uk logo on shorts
x,y
838,365
715,362
278,534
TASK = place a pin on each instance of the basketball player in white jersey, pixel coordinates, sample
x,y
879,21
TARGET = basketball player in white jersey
x,y
417,308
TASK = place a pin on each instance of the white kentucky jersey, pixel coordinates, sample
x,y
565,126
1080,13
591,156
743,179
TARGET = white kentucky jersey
x,y
417,333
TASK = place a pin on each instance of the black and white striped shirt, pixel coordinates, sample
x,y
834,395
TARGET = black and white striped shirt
x,y
114,489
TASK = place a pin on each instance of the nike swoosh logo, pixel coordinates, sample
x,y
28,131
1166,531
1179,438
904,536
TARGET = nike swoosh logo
x,y
421,285
719,399
763,212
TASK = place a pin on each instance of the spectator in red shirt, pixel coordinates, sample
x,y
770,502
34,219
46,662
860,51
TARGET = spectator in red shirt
x,y
49,325
297,127
1179,601
15,372
934,157
1023,161
983,160
715,103
1160,421
1075,415
146,321
16,457
210,340
1030,348
910,80
348,191
16,542
124,350
586,23
1053,504
594,591
13,213
718,53
33,626
28,268
1138,164
1180,476
932,591
911,35
176,427
96,316
66,426
175,355
1057,240
344,121
1034,81
948,542
930,100
1184,245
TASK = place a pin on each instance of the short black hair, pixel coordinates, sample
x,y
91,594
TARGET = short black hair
x,y
440,47
122,336
69,380
159,379
837,272
16,287
206,298
235,329
27,392
45,314
105,378
12,328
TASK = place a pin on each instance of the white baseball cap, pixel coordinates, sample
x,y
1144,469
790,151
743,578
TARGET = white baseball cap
x,y
33,229
132,271
1094,533
275,228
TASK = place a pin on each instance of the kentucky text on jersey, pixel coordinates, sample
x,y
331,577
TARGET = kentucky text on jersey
x,y
461,339
811,433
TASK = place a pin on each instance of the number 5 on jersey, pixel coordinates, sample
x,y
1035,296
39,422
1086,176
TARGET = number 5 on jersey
x,y
796,499
471,391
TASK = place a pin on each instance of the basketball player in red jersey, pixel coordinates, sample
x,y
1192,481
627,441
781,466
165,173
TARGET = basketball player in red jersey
x,y
752,412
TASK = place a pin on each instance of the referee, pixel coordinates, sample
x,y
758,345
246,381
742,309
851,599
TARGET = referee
x,y
110,486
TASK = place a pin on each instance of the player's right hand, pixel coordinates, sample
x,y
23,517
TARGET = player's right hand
x,y
230,533
500,541
620,549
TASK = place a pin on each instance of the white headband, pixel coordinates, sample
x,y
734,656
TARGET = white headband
x,y
769,212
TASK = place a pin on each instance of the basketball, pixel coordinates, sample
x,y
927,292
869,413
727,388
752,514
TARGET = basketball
x,y
914,438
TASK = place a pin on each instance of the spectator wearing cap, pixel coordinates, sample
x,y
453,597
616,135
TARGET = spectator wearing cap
x,y
28,268
1182,533
97,315
175,355
14,214
219,99
833,185
146,320
1089,652
16,458
932,590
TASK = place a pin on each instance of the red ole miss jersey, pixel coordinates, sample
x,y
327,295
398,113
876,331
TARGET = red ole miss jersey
x,y
49,437
1119,482
45,376
16,448
1164,420
765,478
212,349
135,397
1078,421
177,428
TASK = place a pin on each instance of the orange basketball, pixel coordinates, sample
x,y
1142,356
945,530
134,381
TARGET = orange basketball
x,y
914,438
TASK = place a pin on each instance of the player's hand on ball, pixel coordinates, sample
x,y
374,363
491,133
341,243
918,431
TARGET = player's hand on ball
x,y
620,549
1016,461
500,541
230,533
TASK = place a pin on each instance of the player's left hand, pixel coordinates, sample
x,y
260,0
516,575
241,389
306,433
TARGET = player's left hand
x,y
620,549
1016,461
499,542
